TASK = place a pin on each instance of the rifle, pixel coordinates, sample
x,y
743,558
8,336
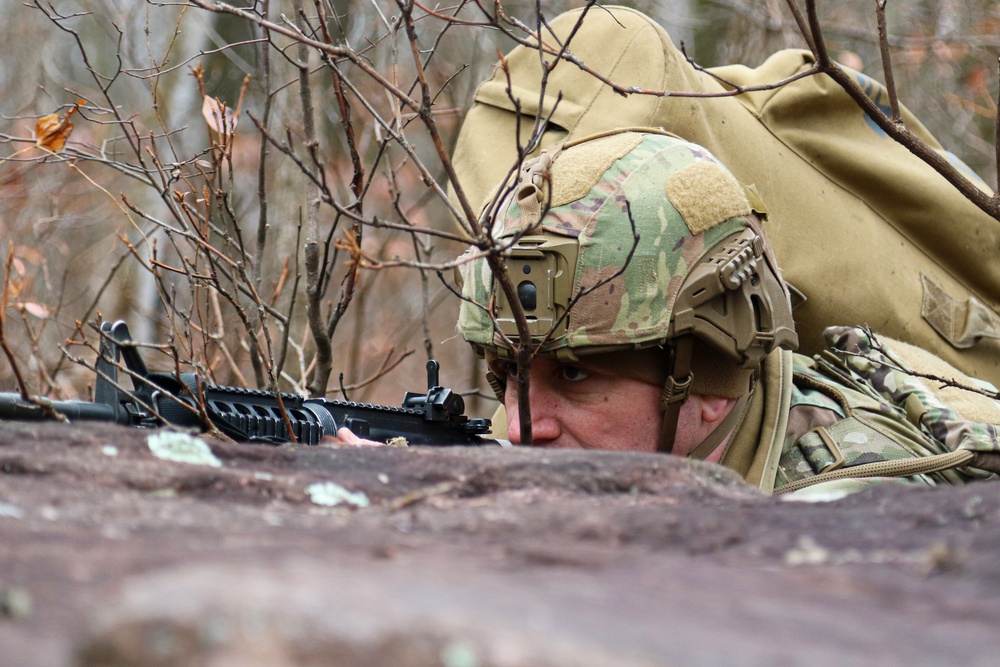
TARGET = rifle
x,y
250,415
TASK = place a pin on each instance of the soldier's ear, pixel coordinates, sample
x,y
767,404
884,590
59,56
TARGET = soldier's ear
x,y
713,408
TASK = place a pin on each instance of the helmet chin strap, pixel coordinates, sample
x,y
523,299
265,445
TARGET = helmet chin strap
x,y
722,431
676,390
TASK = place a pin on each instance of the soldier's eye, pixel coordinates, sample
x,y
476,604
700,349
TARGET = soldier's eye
x,y
574,373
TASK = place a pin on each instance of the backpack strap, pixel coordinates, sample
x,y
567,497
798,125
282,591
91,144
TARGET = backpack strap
x,y
899,468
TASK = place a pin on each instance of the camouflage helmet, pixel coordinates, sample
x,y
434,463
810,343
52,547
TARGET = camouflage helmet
x,y
633,240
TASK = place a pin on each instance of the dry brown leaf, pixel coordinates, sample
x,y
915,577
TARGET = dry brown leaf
x,y
16,281
52,131
218,115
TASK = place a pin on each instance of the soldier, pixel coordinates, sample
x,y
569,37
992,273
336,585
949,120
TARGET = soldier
x,y
660,322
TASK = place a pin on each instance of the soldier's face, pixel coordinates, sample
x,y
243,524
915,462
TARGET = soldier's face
x,y
573,406
578,407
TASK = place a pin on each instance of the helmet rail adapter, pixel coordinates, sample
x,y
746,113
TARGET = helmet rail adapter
x,y
635,240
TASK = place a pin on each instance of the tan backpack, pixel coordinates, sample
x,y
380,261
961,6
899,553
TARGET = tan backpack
x,y
866,231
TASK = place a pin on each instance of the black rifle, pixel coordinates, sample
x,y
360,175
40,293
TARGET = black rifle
x,y
433,418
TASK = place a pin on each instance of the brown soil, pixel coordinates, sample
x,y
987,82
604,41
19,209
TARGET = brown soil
x,y
472,558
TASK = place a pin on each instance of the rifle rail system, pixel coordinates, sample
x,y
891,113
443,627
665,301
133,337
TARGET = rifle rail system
x,y
435,417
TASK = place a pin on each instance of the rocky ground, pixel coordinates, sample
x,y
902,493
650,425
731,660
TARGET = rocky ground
x,y
112,554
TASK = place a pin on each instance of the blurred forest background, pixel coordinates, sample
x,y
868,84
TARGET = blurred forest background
x,y
192,228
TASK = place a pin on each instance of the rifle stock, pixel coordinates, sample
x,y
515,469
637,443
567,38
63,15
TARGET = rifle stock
x,y
432,418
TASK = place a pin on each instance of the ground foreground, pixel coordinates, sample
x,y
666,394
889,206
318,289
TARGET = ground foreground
x,y
263,556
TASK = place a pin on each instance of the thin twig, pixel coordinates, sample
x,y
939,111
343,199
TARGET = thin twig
x,y
883,42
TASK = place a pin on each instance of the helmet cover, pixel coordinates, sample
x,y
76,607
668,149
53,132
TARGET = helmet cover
x,y
628,216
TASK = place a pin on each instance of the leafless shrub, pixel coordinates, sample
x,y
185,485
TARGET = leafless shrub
x,y
240,179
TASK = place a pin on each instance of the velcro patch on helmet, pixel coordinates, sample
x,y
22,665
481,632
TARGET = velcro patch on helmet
x,y
573,178
705,194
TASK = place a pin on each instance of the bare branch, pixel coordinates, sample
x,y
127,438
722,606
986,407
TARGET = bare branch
x,y
883,40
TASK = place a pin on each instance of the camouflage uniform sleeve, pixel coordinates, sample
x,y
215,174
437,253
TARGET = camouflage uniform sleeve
x,y
866,414
892,378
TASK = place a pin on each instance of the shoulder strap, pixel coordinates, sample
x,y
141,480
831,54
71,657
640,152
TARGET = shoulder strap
x,y
898,468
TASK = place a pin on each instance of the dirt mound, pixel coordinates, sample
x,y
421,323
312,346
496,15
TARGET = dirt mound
x,y
111,554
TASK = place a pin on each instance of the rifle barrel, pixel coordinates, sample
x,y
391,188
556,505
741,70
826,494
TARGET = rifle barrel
x,y
13,406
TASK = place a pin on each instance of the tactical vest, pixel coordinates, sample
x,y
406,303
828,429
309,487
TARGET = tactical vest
x,y
858,410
